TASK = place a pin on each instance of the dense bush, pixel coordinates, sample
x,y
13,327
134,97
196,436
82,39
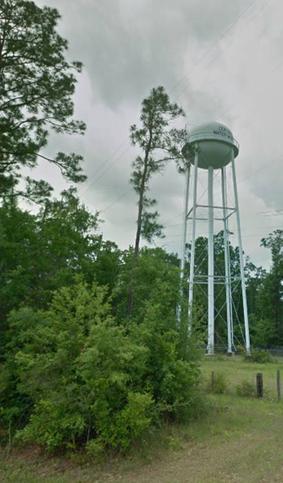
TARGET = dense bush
x,y
260,356
73,377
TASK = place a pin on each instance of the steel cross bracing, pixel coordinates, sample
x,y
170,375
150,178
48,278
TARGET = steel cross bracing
x,y
219,314
211,278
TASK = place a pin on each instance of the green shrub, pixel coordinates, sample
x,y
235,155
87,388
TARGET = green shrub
x,y
78,379
172,366
53,426
218,383
95,448
259,356
129,423
246,389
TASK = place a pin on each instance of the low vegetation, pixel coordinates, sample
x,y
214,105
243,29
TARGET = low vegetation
x,y
240,375
232,434
73,378
260,356
246,389
218,383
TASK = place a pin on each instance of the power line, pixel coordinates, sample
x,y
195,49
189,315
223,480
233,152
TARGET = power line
x,y
114,202
104,167
110,162
226,30
210,49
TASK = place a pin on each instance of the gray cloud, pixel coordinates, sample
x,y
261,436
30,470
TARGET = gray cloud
x,y
130,46
221,60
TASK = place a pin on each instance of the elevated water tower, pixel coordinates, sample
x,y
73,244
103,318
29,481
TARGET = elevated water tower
x,y
212,147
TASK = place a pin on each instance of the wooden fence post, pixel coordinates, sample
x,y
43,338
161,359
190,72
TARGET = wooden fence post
x,y
259,384
278,385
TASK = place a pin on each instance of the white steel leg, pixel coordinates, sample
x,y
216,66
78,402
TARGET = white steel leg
x,y
210,344
244,295
184,239
192,257
227,264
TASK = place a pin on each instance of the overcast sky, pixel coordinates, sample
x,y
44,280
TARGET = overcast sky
x,y
221,60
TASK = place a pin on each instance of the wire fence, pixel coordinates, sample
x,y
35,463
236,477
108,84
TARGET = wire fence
x,y
276,351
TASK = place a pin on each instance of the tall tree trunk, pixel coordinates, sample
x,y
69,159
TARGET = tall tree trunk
x,y
139,226
140,211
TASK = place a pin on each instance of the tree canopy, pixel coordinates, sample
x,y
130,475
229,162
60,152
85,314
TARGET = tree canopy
x,y
36,88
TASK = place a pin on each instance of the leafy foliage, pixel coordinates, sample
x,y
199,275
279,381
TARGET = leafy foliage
x,y
153,276
42,252
72,375
36,88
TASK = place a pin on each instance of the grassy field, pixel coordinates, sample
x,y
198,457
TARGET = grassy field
x,y
239,440
235,370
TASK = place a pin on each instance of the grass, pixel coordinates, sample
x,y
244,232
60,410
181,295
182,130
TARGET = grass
x,y
239,440
236,370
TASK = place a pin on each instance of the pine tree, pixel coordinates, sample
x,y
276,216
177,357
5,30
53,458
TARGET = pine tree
x,y
36,88
158,143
